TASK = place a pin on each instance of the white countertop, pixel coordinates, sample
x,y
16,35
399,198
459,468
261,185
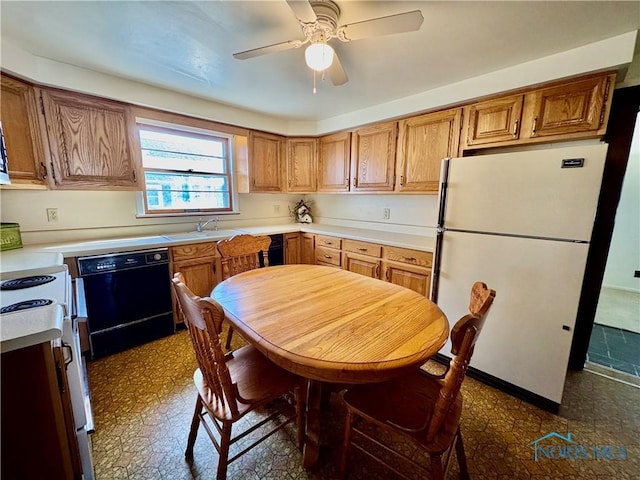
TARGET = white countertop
x,y
37,254
29,327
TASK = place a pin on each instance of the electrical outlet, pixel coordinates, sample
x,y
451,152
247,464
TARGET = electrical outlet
x,y
276,208
52,214
386,213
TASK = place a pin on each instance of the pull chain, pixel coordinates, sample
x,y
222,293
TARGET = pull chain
x,y
314,82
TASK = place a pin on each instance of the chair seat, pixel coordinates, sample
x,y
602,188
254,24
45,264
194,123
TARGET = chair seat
x,y
407,402
257,378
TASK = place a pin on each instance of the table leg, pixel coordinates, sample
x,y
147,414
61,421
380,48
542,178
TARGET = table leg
x,y
311,449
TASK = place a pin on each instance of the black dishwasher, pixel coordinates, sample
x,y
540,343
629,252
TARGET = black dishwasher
x,y
128,299
276,251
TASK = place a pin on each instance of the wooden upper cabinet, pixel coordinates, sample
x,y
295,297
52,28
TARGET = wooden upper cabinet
x,y
580,107
564,111
373,157
334,162
423,142
265,162
92,141
21,131
301,164
494,120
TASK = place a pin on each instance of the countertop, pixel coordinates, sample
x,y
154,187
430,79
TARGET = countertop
x,y
29,327
33,254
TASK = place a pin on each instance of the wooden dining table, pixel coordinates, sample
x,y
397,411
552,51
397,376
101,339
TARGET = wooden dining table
x,y
331,325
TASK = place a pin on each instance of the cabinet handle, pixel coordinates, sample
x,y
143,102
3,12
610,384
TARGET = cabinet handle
x,y
378,271
401,180
515,129
386,274
363,249
53,173
327,256
410,259
135,176
355,181
346,184
535,125
43,170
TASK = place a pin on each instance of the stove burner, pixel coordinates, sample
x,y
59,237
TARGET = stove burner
x,y
26,282
14,307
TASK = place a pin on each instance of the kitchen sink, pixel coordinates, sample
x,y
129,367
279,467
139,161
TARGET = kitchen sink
x,y
213,234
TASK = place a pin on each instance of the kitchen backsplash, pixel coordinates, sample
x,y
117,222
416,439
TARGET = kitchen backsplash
x,y
86,215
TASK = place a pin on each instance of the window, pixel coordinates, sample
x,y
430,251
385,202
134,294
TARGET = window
x,y
185,169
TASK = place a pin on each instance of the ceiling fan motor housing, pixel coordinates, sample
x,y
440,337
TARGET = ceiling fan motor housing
x,y
327,13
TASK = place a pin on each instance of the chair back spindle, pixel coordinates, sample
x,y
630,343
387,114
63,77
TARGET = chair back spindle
x,y
241,254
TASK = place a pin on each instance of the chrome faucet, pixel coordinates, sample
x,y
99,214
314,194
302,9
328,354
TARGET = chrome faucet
x,y
200,226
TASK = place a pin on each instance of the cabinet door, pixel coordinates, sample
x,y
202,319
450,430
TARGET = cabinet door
x,y
265,162
493,121
291,248
423,142
373,152
577,107
199,275
301,164
362,264
20,128
92,141
415,278
307,249
334,162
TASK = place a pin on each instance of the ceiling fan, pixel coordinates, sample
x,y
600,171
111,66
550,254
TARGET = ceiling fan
x,y
319,22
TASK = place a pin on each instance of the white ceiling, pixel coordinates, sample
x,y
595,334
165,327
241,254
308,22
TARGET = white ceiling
x,y
187,46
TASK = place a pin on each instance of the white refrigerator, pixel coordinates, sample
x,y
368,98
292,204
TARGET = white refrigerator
x,y
520,222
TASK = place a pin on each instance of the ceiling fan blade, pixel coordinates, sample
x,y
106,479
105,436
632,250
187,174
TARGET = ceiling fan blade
x,y
276,47
402,22
303,11
336,72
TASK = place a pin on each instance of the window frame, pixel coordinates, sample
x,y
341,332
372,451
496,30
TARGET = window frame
x,y
194,132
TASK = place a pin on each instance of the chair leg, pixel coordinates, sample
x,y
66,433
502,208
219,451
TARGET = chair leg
x,y
193,432
225,443
462,458
346,444
227,344
436,467
300,394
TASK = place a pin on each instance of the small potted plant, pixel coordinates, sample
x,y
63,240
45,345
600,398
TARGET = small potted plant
x,y
302,212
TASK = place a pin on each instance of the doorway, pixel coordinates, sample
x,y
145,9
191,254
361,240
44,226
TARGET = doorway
x,y
615,338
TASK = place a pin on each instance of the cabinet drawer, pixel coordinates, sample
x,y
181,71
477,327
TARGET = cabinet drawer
x,y
405,255
194,250
363,248
329,242
328,255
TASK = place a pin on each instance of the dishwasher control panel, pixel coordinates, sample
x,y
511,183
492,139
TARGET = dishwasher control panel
x,y
121,261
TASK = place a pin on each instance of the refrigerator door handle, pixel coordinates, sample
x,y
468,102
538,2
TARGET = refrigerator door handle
x,y
442,197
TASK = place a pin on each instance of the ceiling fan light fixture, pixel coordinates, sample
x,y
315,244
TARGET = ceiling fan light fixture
x,y
319,56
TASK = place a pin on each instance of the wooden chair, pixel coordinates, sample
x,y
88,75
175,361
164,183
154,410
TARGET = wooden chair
x,y
420,406
241,254
233,384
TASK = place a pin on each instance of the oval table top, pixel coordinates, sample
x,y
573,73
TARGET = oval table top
x,y
328,324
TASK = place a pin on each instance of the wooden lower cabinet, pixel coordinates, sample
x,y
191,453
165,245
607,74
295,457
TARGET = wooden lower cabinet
x,y
292,248
362,257
408,268
417,279
38,431
199,263
307,248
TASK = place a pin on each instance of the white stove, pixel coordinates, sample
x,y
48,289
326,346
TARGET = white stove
x,y
32,293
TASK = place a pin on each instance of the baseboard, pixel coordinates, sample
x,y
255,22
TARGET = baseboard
x,y
506,387
622,289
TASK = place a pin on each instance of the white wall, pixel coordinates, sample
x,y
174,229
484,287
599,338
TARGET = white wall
x,y
624,253
86,215
412,214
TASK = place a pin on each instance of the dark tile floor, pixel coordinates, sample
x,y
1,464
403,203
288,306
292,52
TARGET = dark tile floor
x,y
615,348
143,400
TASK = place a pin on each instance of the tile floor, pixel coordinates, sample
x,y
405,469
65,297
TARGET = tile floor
x,y
615,348
143,400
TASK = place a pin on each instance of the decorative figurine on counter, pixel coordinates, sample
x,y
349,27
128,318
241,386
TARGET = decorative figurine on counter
x,y
301,212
